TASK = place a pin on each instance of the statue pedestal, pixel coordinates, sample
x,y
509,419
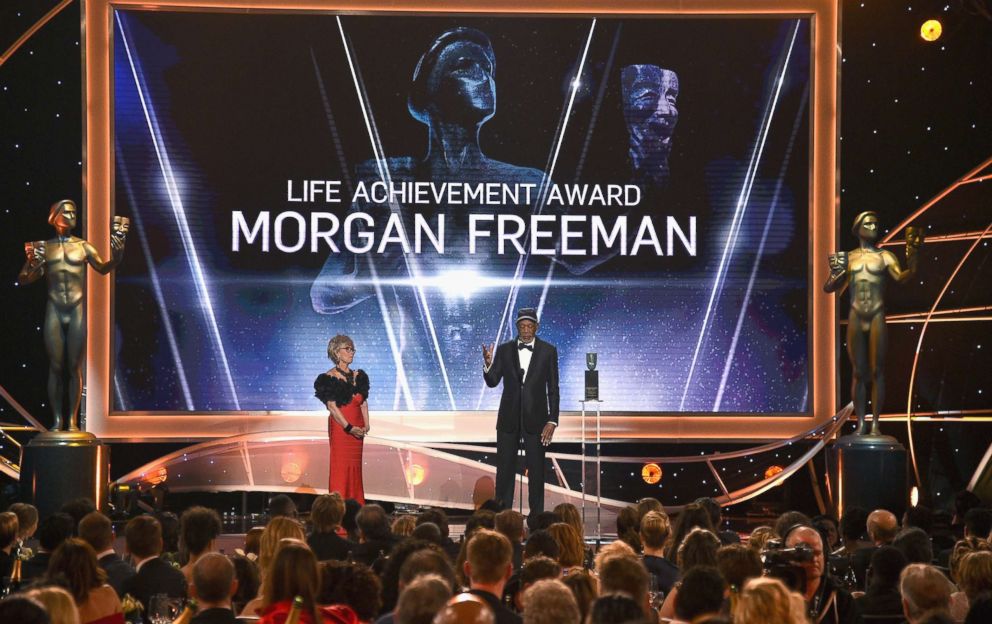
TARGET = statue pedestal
x,y
868,472
60,466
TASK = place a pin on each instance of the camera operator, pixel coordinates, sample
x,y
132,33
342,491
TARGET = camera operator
x,y
827,602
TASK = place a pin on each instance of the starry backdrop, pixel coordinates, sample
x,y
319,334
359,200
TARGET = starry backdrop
x,y
914,117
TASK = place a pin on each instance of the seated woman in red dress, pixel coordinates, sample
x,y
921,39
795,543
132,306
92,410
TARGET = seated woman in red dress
x,y
345,393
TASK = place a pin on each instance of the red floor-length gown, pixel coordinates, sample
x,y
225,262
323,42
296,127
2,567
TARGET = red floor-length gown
x,y
346,450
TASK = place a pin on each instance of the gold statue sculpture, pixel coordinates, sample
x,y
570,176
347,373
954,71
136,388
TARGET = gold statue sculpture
x,y
63,259
866,270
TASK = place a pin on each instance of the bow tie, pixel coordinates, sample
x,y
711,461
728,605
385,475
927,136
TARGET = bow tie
x,y
521,346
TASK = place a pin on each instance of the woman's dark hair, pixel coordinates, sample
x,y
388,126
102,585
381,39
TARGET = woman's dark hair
x,y
351,584
693,515
246,571
391,570
613,608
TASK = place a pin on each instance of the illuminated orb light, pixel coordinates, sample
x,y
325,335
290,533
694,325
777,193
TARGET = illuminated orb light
x,y
651,473
772,471
931,30
415,474
156,477
290,472
914,496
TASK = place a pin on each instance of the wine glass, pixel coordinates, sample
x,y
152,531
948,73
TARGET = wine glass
x,y
164,608
655,595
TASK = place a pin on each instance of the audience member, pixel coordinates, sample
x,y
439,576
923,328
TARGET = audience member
x,y
655,531
919,516
626,575
974,577
584,588
153,575
353,585
96,530
716,519
852,530
282,506
765,600
8,543
426,560
541,521
569,514
882,527
978,523
827,526
23,610
980,611
826,601
253,541
375,539
170,535
465,609
421,600
428,532
608,551
549,601
692,516
52,531
348,523
882,596
403,526
915,544
74,565
759,537
628,522
964,501
540,543
571,549
199,529
647,504
924,590
325,516
789,520
278,529
614,608
488,566
249,583
511,524
698,548
390,574
58,603
293,573
77,510
439,518
214,584
738,564
27,520
700,594
536,569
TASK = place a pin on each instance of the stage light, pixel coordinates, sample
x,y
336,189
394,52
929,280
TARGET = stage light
x,y
415,474
772,471
290,472
931,30
651,473
156,477
914,496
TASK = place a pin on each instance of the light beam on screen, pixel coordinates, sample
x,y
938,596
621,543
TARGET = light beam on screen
x,y
163,310
543,190
761,250
120,394
518,272
739,210
192,259
384,175
332,126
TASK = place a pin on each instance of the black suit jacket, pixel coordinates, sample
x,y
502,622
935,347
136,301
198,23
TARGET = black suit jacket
x,y
537,398
117,571
155,577
215,616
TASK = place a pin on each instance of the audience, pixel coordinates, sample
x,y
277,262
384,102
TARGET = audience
x,y
925,590
700,594
626,575
422,599
765,600
352,585
23,610
693,515
213,585
8,543
73,565
97,531
738,564
882,596
655,531
536,569
826,600
153,575
549,601
584,588
716,519
488,566
27,520
511,524
249,582
403,525
199,529
325,517
375,539
571,549
58,602
759,537
465,609
282,506
293,573
613,608
915,544
52,531
974,577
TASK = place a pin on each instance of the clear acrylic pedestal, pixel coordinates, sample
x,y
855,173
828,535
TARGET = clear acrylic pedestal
x,y
591,471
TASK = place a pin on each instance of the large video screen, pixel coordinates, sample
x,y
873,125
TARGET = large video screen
x,y
411,181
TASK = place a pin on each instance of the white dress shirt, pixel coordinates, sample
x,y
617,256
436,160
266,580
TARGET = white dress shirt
x,y
525,356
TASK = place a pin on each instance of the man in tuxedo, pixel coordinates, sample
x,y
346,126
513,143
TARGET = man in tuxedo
x,y
97,531
213,585
153,575
528,367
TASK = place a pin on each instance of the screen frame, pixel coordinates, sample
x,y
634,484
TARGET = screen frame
x,y
464,426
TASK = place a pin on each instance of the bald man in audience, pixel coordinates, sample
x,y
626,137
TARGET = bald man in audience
x,y
826,600
925,591
465,609
213,585
882,527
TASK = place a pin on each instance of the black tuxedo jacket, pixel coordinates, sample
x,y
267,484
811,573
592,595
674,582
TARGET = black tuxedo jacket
x,y
537,399
117,571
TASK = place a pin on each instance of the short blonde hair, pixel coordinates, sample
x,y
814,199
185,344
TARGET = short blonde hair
x,y
655,529
336,343
618,548
326,512
766,599
759,537
58,603
404,525
975,573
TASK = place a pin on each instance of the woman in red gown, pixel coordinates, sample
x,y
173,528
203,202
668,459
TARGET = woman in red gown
x,y
345,393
